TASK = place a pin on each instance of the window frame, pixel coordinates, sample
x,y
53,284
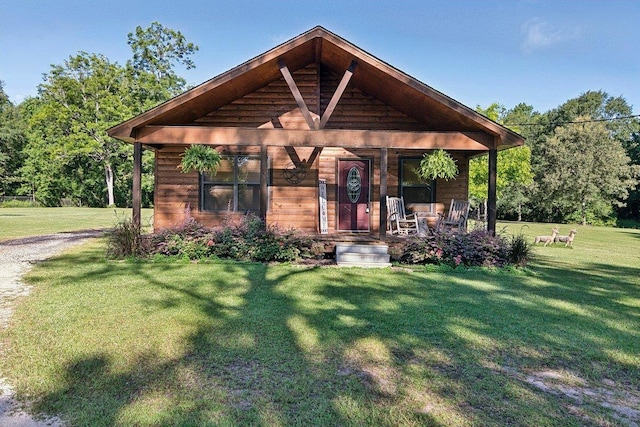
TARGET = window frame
x,y
431,184
234,184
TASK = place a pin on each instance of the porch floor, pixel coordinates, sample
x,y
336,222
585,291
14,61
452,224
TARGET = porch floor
x,y
359,238
332,239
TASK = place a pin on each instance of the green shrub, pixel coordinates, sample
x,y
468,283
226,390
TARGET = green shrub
x,y
186,247
274,244
247,239
189,240
124,240
19,204
227,244
520,250
477,248
253,240
627,223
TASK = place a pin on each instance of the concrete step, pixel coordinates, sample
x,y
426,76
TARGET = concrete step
x,y
355,255
361,248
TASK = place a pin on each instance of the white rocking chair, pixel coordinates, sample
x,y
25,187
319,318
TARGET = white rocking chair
x,y
398,222
456,217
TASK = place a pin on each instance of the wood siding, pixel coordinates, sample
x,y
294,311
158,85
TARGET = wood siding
x,y
293,200
355,110
292,203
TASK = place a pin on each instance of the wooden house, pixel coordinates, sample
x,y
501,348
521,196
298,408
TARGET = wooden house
x,y
314,133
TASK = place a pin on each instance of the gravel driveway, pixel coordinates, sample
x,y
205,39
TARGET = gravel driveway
x,y
16,258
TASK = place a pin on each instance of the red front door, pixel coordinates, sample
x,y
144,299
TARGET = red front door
x,y
353,195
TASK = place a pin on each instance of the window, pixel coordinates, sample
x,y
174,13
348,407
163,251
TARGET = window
x,y
414,188
235,187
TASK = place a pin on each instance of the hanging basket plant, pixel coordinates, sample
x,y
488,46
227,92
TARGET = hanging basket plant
x,y
200,158
438,164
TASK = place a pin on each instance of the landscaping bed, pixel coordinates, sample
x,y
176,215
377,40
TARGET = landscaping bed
x,y
249,239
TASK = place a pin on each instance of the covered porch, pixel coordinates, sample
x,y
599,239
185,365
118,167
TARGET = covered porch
x,y
315,152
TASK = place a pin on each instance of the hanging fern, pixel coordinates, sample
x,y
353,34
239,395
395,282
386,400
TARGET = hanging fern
x,y
438,164
201,159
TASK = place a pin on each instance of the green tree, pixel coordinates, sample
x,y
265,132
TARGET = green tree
x,y
631,208
513,179
42,172
598,105
87,94
157,50
588,170
70,153
514,165
522,119
12,141
53,171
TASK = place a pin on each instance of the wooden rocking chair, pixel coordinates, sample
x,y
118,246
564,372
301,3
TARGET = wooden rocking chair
x,y
456,217
398,222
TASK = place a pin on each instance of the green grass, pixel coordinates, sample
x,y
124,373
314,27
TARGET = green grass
x,y
108,343
24,222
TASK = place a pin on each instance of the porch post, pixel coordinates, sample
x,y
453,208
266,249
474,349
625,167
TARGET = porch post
x,y
492,211
384,160
137,185
264,181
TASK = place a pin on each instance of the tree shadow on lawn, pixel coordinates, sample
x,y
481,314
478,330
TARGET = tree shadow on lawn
x,y
605,288
635,234
479,338
331,346
244,363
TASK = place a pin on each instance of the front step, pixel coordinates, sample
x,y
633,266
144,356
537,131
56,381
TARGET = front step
x,y
355,255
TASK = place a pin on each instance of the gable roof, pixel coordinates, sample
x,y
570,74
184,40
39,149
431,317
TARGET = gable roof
x,y
372,76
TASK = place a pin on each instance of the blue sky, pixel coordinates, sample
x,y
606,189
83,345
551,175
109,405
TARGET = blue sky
x,y
541,52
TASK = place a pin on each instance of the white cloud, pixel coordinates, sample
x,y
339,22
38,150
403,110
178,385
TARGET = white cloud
x,y
539,34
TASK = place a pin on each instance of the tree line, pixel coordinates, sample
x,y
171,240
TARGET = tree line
x,y
54,146
580,162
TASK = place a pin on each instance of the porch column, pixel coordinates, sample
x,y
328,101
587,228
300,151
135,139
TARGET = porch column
x,y
137,185
264,181
384,161
492,211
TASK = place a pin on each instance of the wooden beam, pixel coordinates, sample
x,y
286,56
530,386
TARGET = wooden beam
x,y
384,162
314,154
186,135
296,94
293,155
318,52
264,182
136,189
492,210
337,94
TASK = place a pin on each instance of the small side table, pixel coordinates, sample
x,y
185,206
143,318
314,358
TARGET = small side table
x,y
427,214
426,220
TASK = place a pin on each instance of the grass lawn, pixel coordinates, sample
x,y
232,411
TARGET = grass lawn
x,y
24,222
108,343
